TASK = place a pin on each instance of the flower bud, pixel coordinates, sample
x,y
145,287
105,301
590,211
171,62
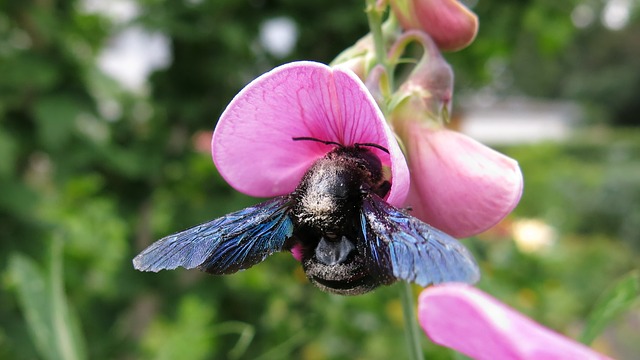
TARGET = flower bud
x,y
428,90
358,58
451,25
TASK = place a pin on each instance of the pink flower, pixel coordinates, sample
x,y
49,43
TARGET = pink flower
x,y
459,185
448,22
253,146
466,319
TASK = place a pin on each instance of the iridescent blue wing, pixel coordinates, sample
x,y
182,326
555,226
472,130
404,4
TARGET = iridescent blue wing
x,y
401,246
224,245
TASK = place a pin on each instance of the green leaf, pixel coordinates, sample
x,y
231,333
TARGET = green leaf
x,y
8,153
54,329
32,297
617,299
245,331
65,322
56,117
190,336
18,198
30,71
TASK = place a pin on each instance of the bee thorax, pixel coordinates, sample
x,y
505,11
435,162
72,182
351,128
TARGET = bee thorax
x,y
318,204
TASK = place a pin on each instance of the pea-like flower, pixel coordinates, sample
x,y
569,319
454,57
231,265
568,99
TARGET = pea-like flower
x,y
313,138
466,319
458,185
253,146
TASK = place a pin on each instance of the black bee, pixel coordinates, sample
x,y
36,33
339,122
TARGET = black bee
x,y
352,241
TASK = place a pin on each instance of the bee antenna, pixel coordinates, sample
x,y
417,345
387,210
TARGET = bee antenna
x,y
380,147
326,142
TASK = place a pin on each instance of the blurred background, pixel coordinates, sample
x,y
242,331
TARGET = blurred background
x,y
106,109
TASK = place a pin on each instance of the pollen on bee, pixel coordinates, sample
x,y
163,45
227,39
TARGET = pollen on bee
x,y
318,204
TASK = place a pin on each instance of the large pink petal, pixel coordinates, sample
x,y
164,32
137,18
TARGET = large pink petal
x,y
467,320
459,185
252,144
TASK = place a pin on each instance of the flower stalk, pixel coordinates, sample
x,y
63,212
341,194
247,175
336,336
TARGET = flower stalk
x,y
410,322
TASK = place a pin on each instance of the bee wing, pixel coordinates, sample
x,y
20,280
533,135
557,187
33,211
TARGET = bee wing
x,y
225,245
406,248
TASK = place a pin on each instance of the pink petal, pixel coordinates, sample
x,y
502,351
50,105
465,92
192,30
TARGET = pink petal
x,y
297,251
459,185
252,144
467,320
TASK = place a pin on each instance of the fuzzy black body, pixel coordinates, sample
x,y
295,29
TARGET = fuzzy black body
x,y
351,239
326,217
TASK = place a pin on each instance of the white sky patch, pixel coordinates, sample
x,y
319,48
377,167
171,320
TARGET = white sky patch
x,y
118,11
616,14
133,54
517,120
582,15
279,36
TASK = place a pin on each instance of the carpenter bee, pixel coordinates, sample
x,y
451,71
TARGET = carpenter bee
x,y
351,240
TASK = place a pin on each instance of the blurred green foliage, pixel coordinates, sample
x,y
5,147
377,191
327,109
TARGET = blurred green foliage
x,y
92,173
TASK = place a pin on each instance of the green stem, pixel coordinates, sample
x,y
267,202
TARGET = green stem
x,y
410,322
374,16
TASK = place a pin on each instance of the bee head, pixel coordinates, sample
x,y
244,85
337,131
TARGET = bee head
x,y
337,267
